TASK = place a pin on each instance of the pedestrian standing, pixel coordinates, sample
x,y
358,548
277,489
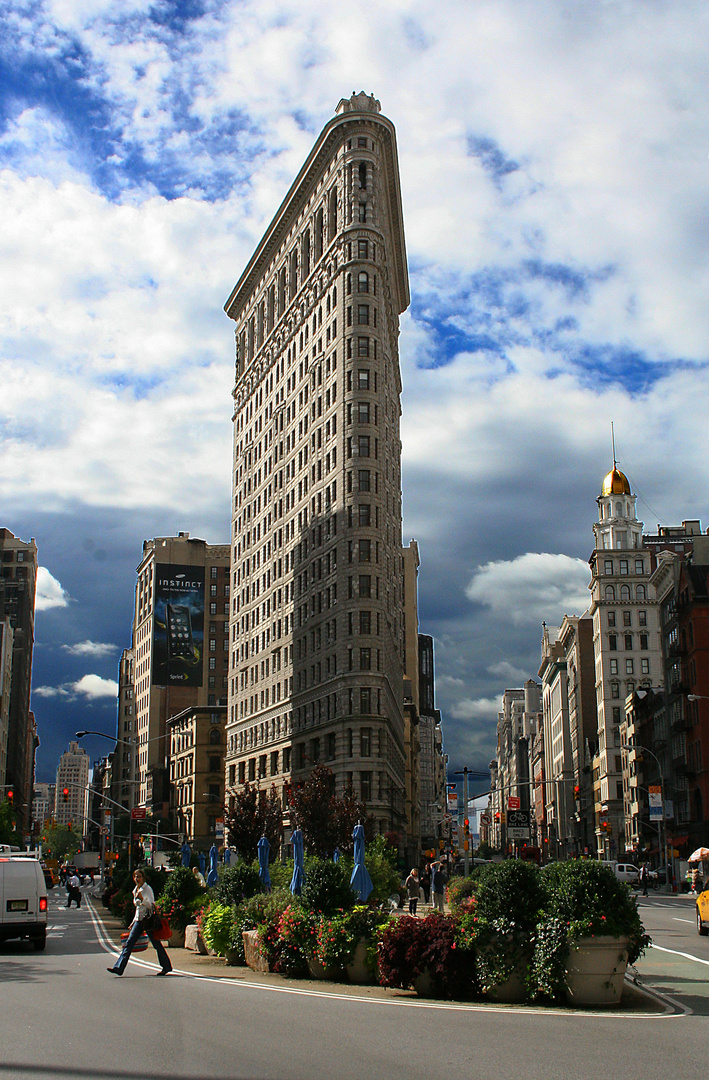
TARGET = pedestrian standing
x,y
144,900
73,890
413,888
438,881
426,884
643,878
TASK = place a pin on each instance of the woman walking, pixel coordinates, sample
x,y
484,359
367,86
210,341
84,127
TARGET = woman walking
x,y
144,900
413,888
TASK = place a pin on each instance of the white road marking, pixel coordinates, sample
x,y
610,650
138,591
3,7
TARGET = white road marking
x,y
690,921
676,952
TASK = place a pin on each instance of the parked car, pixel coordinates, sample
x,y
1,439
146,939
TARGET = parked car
x,y
23,900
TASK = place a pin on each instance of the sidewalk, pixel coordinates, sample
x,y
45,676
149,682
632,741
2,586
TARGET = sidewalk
x,y
186,962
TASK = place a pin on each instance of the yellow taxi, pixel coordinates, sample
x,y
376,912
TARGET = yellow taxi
x,y
702,907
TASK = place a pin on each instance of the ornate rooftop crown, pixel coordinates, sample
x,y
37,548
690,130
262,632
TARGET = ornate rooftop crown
x,y
360,102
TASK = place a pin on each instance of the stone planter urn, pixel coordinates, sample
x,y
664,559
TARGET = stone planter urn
x,y
317,970
595,970
176,939
252,951
357,969
513,991
423,984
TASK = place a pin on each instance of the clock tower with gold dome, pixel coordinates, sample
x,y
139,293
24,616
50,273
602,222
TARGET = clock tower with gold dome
x,y
626,645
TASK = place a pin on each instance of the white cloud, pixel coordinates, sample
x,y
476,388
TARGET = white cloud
x,y
50,691
91,648
93,686
475,709
50,593
513,676
532,588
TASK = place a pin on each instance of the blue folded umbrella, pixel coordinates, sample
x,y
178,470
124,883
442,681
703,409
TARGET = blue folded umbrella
x,y
298,879
360,881
263,848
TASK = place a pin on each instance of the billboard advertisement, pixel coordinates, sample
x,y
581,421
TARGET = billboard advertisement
x,y
178,635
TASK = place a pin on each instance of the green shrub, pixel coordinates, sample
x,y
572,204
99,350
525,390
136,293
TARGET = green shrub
x,y
289,939
217,926
236,883
181,898
327,888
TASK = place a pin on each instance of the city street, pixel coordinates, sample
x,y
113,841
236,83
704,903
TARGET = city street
x,y
64,1015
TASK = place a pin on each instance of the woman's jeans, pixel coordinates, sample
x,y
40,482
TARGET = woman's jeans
x,y
135,931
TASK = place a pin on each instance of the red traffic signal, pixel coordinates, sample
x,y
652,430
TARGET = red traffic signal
x,y
10,796
65,794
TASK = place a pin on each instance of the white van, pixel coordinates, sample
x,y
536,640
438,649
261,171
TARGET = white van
x,y
23,900
627,872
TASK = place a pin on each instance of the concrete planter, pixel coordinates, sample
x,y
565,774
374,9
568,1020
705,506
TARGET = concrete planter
x,y
317,970
423,984
252,951
513,991
595,970
357,970
194,941
176,940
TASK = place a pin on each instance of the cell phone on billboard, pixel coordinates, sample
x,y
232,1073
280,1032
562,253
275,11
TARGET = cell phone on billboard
x,y
180,645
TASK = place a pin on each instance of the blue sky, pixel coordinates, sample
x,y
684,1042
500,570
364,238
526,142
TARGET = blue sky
x,y
554,166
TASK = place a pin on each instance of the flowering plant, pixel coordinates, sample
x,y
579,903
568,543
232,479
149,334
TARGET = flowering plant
x,y
290,939
409,947
333,946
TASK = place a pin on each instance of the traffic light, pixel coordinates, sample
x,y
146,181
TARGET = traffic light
x,y
577,792
466,826
11,798
70,826
65,794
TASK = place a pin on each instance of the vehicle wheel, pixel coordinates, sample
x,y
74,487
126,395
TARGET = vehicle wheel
x,y
701,930
40,942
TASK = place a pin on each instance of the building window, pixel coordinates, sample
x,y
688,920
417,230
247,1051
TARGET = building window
x,y
363,445
363,379
639,566
612,642
242,772
615,690
365,659
363,412
364,514
362,249
608,566
330,746
614,667
366,786
645,666
215,763
365,701
362,346
628,642
363,479
642,618
623,567
365,585
365,742
365,551
611,618
363,314
643,641
610,592
365,622
363,282
252,769
628,666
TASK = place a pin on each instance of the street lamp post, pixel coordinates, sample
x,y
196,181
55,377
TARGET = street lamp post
x,y
644,749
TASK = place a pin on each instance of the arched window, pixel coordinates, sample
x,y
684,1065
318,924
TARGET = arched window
x,y
610,592
215,736
625,592
618,509
363,281
640,593
363,175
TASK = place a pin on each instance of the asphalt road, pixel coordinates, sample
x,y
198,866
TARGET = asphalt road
x,y
63,1015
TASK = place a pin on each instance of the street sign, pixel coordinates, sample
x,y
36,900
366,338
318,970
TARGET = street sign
x,y
655,801
138,813
103,831
518,824
513,802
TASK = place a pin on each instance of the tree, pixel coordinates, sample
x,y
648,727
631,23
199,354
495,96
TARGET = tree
x,y
8,833
60,842
255,813
327,822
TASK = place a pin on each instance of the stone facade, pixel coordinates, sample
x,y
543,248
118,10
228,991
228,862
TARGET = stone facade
x,y
316,626
18,581
196,755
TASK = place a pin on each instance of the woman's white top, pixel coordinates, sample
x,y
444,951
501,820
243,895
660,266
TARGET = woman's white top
x,y
144,900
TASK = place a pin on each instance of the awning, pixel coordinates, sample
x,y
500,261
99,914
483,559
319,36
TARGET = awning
x,y
678,840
